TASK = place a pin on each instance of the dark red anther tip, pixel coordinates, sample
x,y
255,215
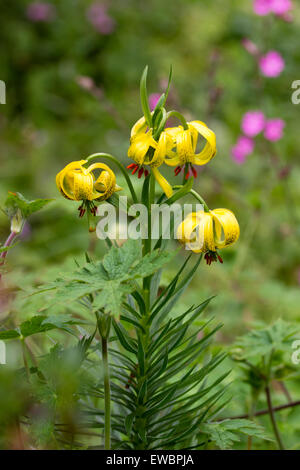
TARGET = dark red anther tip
x,y
194,172
141,171
177,170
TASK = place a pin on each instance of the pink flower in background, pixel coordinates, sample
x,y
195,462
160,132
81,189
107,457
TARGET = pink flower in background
x,y
87,83
153,100
100,19
242,149
274,129
280,7
40,11
250,47
271,64
262,7
253,123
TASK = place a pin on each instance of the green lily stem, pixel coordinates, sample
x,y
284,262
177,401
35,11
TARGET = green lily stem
x,y
146,291
196,196
107,417
273,419
200,199
25,358
180,117
251,416
148,244
186,169
113,159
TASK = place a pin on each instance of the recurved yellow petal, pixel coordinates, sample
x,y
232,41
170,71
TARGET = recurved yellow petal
x,y
163,147
163,183
65,178
227,230
210,148
79,183
139,126
208,231
139,146
186,144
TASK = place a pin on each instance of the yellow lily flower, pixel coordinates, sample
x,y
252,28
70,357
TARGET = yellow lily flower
x,y
206,232
185,141
144,150
78,183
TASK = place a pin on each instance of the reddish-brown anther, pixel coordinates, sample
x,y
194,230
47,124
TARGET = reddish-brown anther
x,y
194,172
135,169
220,259
177,170
132,165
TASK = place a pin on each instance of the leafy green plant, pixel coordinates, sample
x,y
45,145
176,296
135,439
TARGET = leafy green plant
x,y
18,209
142,373
264,355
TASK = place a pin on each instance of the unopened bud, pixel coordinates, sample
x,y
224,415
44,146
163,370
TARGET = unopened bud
x,y
17,222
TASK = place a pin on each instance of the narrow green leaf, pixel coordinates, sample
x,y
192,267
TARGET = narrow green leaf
x,y
142,392
9,334
144,97
129,423
132,322
123,337
141,356
169,83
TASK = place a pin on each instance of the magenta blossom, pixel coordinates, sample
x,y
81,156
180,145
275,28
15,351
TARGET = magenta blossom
x,y
281,7
242,149
153,100
274,129
253,123
278,7
262,7
40,12
271,64
100,19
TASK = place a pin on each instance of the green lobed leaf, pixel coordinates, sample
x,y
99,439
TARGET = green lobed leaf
x,y
225,433
15,201
109,282
277,337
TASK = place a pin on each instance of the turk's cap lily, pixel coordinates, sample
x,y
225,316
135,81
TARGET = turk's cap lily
x,y
206,232
185,141
78,183
145,150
